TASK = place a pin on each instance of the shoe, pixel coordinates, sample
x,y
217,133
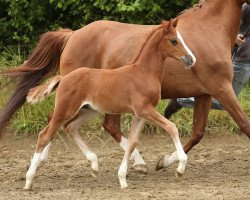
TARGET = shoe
x,y
172,107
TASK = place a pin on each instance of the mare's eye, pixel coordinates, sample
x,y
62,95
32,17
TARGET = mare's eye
x,y
174,42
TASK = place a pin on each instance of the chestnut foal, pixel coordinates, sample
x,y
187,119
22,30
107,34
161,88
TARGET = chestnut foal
x,y
135,88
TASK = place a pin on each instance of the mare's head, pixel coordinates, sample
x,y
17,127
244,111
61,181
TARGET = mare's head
x,y
173,45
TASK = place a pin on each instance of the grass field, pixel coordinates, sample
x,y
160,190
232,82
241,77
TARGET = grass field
x,y
31,118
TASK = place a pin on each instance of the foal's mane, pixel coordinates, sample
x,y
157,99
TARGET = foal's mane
x,y
147,39
194,7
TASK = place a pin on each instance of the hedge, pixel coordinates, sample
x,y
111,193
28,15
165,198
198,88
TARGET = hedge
x,y
22,21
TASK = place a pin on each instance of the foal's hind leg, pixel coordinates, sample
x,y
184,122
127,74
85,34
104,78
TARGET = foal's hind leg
x,y
151,114
44,138
112,125
44,156
135,129
72,127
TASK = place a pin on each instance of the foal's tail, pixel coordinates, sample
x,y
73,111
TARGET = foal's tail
x,y
40,92
43,61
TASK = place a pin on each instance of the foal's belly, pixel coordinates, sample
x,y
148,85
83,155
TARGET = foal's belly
x,y
109,108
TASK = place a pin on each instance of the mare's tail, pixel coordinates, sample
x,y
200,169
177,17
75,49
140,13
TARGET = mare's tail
x,y
40,92
43,61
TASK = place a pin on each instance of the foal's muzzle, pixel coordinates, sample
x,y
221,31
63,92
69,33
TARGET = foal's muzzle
x,y
188,60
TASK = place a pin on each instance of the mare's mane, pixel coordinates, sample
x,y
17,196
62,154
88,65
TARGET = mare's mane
x,y
151,33
194,7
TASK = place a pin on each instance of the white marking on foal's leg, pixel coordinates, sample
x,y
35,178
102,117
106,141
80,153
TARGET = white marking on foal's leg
x,y
91,156
136,156
32,170
122,172
94,164
169,160
186,47
182,157
45,153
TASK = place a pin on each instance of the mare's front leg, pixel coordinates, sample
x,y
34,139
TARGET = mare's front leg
x,y
201,110
226,96
135,130
112,125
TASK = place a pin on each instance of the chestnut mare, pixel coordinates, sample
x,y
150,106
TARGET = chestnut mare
x,y
210,30
134,88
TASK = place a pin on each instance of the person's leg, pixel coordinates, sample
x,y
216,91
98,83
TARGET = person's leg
x,y
241,75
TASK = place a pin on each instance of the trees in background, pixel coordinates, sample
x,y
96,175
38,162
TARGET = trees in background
x,y
22,21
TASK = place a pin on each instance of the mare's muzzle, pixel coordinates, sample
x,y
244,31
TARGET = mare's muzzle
x,y
188,60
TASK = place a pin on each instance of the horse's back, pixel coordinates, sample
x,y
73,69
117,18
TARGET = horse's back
x,y
103,44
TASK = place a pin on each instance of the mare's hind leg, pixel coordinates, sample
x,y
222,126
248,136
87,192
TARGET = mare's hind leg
x,y
151,114
112,125
135,129
201,110
72,127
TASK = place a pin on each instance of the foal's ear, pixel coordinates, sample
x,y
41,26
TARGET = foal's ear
x,y
167,26
175,22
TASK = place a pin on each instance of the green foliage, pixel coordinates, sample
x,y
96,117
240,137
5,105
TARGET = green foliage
x,y
22,21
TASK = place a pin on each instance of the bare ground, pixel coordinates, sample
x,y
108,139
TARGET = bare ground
x,y
218,168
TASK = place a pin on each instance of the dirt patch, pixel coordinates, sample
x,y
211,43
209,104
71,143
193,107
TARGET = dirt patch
x,y
218,168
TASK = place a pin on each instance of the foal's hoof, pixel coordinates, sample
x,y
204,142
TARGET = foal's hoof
x,y
160,163
141,168
27,167
27,188
94,173
178,174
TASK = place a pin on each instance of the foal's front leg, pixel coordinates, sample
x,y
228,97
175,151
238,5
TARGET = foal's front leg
x,y
112,125
201,110
151,114
135,129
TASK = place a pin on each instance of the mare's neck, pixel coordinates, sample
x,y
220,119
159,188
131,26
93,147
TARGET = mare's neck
x,y
220,15
150,58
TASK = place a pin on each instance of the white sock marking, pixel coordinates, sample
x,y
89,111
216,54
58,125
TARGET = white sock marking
x,y
136,156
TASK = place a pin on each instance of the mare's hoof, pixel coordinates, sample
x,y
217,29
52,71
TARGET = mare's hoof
x,y
160,163
94,173
178,174
141,168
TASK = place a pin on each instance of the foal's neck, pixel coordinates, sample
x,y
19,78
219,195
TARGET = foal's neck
x,y
150,58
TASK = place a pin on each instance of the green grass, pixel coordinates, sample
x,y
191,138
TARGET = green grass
x,y
31,119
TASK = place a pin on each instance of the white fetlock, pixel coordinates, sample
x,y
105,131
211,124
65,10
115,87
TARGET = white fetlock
x,y
123,183
169,160
35,162
122,175
182,164
94,163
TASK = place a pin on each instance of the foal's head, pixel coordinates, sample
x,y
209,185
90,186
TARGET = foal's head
x,y
173,45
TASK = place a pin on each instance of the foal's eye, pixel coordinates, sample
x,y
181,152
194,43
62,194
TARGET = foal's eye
x,y
174,42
